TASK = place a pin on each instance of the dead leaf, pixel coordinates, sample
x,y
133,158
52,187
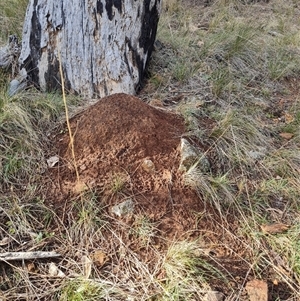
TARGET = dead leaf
x,y
156,103
274,228
31,267
87,266
54,271
162,275
5,241
80,187
286,136
257,290
98,258
288,118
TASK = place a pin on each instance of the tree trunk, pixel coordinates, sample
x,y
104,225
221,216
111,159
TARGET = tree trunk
x,y
103,45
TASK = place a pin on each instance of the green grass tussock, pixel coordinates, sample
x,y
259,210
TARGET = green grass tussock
x,y
25,124
12,14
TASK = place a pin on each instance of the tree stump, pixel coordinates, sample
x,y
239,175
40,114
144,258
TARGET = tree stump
x,y
103,45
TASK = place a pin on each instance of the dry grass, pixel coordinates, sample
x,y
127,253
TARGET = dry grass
x,y
11,18
240,58
233,63
25,125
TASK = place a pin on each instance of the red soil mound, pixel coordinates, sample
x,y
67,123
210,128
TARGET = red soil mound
x,y
112,140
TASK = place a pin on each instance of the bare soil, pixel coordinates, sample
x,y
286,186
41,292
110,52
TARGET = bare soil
x,y
112,140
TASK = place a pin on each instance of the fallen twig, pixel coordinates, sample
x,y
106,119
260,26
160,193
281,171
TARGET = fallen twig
x,y
27,255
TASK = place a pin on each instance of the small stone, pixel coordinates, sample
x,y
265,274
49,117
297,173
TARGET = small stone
x,y
15,86
54,271
214,296
200,43
190,156
83,167
275,34
124,208
148,165
256,155
52,161
193,28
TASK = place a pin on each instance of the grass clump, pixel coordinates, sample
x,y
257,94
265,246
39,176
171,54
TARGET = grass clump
x,y
12,15
186,273
144,230
82,290
25,126
89,219
118,182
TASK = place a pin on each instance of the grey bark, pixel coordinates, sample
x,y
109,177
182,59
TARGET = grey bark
x,y
9,54
104,45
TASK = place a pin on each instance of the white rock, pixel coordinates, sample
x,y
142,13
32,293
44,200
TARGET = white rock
x,y
214,296
190,156
52,161
15,86
124,208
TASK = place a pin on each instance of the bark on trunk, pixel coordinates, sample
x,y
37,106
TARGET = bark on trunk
x,y
104,45
9,54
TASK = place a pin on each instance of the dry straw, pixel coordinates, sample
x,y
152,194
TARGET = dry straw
x,y
71,136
